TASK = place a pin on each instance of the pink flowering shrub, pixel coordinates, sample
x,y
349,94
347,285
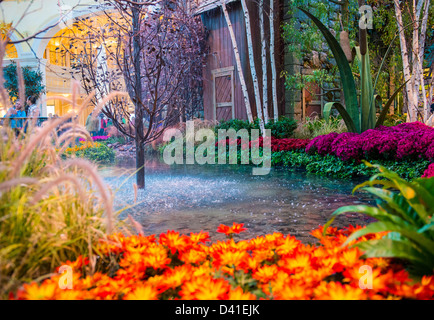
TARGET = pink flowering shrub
x,y
98,138
403,142
429,173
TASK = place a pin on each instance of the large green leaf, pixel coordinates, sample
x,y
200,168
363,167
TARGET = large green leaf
x,y
342,111
348,83
367,106
410,233
373,212
428,227
389,248
390,203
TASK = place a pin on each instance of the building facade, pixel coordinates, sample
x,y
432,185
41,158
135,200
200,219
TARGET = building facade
x,y
43,22
222,92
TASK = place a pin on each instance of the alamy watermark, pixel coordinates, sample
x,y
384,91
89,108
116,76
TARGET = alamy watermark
x,y
251,146
366,280
366,19
66,280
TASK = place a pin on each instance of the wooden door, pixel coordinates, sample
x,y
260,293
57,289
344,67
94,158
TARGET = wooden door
x,y
223,94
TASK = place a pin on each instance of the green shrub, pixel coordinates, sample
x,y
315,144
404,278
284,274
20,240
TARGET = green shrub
x,y
330,165
100,154
32,81
235,124
405,210
118,139
281,129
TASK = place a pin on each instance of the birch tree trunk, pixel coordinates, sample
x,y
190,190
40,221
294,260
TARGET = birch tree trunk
x,y
412,97
238,61
273,63
426,105
264,61
417,7
252,66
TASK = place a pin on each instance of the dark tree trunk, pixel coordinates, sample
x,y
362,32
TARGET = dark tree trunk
x,y
140,149
140,163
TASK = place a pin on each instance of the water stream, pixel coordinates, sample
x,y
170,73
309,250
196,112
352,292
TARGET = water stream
x,y
191,198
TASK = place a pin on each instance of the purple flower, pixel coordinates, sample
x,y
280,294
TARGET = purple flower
x,y
405,141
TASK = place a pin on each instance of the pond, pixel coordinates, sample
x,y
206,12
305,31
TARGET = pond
x,y
193,198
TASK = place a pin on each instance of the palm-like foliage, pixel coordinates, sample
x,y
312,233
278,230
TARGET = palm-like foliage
x,y
405,210
359,114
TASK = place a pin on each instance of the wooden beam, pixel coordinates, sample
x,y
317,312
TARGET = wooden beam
x,y
201,6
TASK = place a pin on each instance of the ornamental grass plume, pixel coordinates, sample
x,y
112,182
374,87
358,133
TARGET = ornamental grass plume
x,y
51,210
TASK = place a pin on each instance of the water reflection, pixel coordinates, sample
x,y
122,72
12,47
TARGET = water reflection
x,y
191,198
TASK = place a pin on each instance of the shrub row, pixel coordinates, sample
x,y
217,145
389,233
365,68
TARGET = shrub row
x,y
281,129
330,165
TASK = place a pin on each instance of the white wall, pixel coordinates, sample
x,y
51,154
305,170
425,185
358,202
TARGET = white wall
x,y
29,18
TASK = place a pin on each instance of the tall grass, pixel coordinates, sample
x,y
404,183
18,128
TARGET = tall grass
x,y
314,127
51,210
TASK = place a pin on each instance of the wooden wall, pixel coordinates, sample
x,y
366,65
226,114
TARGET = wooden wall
x,y
221,55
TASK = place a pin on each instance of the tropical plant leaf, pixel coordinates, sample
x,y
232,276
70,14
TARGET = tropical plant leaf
x,y
398,209
409,232
367,114
389,248
342,111
373,212
349,85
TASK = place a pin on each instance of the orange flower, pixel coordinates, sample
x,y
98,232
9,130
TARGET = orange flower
x,y
172,278
205,288
193,256
236,228
295,263
337,291
239,294
200,237
174,241
282,268
265,273
142,292
229,258
34,291
293,291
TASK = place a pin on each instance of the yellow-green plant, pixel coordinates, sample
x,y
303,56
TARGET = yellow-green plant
x,y
51,210
404,210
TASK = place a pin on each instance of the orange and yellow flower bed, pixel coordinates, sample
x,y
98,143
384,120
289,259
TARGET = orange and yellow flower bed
x,y
83,146
273,266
